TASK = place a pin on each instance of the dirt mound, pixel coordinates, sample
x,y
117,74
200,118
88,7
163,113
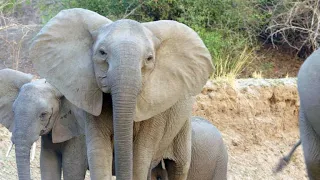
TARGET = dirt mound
x,y
258,119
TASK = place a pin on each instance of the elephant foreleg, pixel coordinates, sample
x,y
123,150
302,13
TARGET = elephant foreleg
x,y
179,168
142,161
74,159
311,147
99,149
144,147
50,161
221,169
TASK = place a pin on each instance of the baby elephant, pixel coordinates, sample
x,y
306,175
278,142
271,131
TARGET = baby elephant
x,y
209,155
30,109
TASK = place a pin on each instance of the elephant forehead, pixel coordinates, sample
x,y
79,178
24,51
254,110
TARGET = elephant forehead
x,y
37,88
123,29
127,24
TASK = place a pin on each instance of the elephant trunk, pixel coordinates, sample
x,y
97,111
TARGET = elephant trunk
x,y
22,150
124,97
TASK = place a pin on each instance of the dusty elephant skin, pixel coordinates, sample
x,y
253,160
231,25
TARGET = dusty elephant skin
x,y
152,71
33,109
209,158
309,116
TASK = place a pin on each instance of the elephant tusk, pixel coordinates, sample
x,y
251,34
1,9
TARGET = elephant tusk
x,y
163,165
33,151
9,150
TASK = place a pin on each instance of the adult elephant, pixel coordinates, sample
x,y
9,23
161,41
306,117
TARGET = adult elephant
x,y
152,71
309,115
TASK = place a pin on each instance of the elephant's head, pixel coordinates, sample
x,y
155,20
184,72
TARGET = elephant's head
x,y
31,109
147,68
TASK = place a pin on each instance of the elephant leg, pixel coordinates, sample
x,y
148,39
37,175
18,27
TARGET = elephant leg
x,y
99,148
311,147
221,169
144,147
50,160
74,159
179,168
142,161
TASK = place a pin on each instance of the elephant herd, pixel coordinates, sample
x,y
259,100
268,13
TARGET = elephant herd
x,y
116,99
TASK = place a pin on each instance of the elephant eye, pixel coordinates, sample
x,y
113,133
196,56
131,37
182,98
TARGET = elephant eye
x,y
149,58
42,115
102,52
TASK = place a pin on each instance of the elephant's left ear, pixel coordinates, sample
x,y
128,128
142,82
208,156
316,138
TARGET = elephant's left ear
x,y
182,66
66,126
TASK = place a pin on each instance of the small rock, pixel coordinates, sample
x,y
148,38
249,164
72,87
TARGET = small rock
x,y
234,143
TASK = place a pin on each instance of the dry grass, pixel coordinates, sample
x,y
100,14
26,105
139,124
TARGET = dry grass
x,y
8,22
296,23
228,68
257,75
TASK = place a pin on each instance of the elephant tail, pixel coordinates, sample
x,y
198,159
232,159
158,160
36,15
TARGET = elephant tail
x,y
283,162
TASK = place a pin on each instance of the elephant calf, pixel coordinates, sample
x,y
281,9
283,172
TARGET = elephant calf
x,y
209,158
32,109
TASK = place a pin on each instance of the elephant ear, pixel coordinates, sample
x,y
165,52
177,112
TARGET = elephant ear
x,y
66,126
182,67
61,53
11,81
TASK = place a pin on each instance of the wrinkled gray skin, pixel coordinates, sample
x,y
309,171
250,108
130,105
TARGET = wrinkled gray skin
x,y
150,72
309,115
209,159
33,109
69,157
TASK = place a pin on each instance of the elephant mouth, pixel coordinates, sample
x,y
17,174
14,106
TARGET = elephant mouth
x,y
104,84
106,89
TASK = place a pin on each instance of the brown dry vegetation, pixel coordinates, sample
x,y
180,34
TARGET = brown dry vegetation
x,y
297,24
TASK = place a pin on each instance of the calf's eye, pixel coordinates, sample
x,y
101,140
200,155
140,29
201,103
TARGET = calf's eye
x,y
149,58
42,115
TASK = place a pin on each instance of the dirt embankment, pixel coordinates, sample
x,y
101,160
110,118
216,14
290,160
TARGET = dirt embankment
x,y
257,118
259,122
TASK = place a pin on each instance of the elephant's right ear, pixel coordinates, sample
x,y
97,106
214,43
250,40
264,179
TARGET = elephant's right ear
x,y
10,84
61,53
